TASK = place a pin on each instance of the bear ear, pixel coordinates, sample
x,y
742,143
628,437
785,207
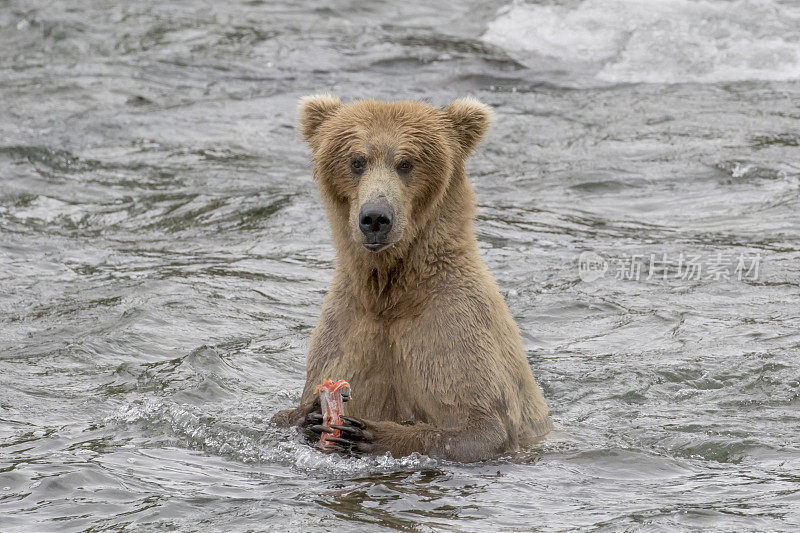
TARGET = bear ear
x,y
470,119
313,112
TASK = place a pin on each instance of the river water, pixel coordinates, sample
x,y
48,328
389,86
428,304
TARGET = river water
x,y
163,258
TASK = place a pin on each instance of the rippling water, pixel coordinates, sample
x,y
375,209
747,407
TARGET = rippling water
x,y
163,258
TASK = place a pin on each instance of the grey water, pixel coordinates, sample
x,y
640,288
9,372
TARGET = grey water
x,y
164,255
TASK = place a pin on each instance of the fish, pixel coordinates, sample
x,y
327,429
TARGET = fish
x,y
330,399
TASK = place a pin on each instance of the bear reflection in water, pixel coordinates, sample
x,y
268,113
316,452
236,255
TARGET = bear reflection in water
x,y
413,320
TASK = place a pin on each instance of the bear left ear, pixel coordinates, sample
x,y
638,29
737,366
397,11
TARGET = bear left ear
x,y
470,119
313,112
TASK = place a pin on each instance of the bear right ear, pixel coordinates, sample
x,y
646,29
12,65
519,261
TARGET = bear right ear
x,y
470,119
313,112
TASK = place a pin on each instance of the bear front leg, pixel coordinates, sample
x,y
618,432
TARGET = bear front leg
x,y
475,440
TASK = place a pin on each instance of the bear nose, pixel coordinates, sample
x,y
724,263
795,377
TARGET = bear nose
x,y
375,220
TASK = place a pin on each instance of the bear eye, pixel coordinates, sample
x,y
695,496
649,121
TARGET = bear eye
x,y
358,164
404,166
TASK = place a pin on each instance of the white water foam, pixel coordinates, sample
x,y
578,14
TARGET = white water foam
x,y
193,428
656,41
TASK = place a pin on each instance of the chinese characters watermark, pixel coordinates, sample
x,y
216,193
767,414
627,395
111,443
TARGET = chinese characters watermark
x,y
665,267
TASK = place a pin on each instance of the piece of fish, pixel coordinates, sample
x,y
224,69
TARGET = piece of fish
x,y
330,399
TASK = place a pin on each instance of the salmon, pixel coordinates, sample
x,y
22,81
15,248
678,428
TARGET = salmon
x,y
330,399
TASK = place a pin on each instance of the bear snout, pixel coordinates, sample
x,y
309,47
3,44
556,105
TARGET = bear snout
x,y
375,219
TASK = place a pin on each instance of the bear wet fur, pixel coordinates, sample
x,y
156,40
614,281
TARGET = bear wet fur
x,y
418,328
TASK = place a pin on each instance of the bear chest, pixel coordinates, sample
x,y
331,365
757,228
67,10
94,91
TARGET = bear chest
x,y
386,383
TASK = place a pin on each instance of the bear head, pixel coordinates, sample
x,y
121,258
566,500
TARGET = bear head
x,y
382,167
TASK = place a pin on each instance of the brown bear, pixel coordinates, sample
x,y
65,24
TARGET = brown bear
x,y
413,320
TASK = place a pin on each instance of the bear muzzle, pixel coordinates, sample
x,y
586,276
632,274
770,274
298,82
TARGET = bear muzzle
x,y
375,220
